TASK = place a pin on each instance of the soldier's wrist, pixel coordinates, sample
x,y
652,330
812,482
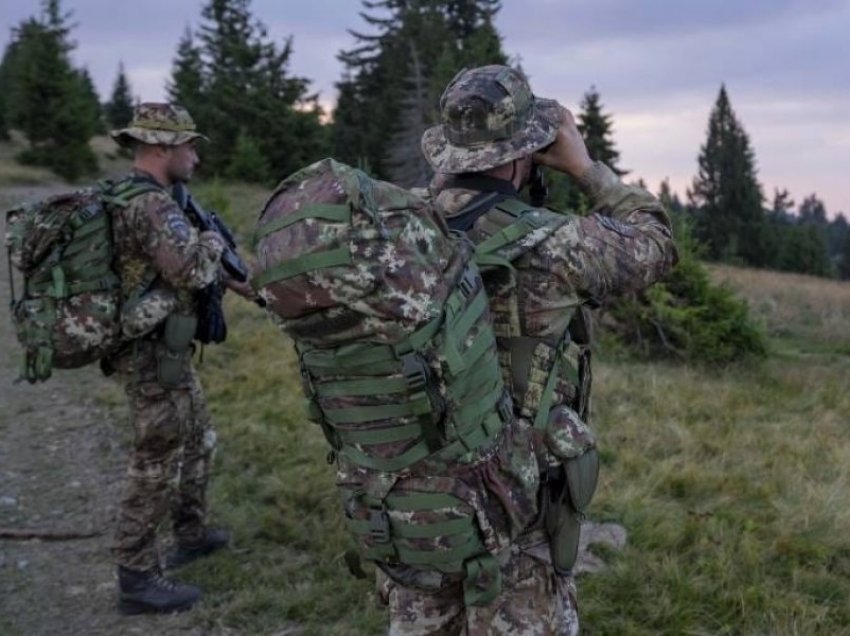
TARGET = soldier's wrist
x,y
596,178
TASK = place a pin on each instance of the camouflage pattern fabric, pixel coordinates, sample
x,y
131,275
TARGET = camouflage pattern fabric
x,y
624,245
489,117
68,315
157,123
396,269
534,601
390,287
169,466
155,240
170,461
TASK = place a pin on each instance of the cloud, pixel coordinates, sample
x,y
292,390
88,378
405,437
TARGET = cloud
x,y
658,65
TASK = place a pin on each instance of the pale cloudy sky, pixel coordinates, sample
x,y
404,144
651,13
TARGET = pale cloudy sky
x,y
658,65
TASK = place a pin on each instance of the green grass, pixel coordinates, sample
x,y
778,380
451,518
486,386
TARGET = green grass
x,y
732,483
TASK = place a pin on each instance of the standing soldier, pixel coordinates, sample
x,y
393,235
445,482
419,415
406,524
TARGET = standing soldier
x,y
163,262
547,267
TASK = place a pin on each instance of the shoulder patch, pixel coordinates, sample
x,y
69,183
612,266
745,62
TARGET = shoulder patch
x,y
610,223
178,226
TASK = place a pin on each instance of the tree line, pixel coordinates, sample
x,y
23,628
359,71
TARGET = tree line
x,y
264,121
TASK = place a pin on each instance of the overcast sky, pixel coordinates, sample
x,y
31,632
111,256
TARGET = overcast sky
x,y
658,65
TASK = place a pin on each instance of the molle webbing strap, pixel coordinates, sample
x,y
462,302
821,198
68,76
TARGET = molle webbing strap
x,y
326,212
124,191
304,263
310,261
525,224
473,380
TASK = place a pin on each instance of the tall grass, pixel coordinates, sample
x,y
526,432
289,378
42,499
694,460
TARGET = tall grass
x,y
803,313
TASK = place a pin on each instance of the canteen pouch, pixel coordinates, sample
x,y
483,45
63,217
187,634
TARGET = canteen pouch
x,y
569,484
568,492
177,336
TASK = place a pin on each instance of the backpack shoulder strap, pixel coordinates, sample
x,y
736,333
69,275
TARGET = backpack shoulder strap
x,y
122,192
519,220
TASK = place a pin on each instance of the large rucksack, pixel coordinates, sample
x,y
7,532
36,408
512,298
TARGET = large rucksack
x,y
68,314
399,364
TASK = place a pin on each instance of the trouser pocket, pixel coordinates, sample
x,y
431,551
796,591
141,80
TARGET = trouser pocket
x,y
171,359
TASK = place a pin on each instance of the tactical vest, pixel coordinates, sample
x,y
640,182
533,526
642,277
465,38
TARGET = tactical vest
x,y
543,373
540,371
414,408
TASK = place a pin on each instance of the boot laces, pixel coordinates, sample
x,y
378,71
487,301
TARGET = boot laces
x,y
162,582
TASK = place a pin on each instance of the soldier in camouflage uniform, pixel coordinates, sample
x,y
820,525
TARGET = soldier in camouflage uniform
x,y
493,130
163,261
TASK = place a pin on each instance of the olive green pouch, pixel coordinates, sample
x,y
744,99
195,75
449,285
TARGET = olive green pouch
x,y
570,490
178,333
571,484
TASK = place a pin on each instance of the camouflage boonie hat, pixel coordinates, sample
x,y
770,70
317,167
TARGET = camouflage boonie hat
x,y
489,117
162,124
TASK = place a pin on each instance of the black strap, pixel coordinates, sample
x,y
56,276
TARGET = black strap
x,y
492,191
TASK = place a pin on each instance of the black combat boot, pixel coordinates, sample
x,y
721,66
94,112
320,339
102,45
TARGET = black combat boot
x,y
183,553
148,592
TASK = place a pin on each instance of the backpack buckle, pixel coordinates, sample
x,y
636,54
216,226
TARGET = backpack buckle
x,y
379,525
414,372
466,284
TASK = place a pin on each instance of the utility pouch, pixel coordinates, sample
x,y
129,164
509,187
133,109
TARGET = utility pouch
x,y
569,490
177,337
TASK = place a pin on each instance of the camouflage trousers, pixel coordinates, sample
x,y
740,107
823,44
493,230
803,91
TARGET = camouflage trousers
x,y
169,464
534,601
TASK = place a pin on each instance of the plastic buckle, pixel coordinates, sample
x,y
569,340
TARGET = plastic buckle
x,y
379,522
467,283
413,370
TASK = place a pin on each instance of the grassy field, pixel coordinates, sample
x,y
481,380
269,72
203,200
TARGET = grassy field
x,y
732,483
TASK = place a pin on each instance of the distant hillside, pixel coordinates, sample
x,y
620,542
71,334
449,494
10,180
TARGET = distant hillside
x,y
807,313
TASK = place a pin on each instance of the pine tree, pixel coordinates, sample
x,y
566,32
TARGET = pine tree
x,y
92,102
844,265
247,162
186,86
49,100
7,83
393,78
781,211
669,199
812,211
119,110
597,130
236,85
725,191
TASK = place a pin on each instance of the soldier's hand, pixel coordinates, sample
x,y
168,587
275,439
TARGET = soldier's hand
x,y
243,288
568,153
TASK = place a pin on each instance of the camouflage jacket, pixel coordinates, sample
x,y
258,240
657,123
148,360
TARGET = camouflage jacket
x,y
161,259
624,245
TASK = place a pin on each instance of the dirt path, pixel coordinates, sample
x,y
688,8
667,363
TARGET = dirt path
x,y
63,447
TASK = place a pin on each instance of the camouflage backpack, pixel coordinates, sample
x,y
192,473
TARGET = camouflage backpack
x,y
68,314
399,365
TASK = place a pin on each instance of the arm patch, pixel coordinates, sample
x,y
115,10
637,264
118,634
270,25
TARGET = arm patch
x,y
610,223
